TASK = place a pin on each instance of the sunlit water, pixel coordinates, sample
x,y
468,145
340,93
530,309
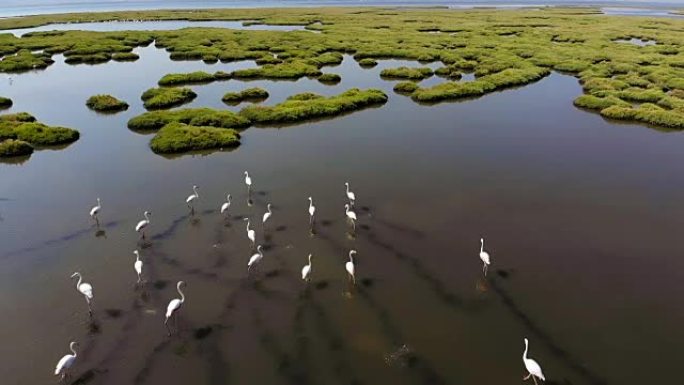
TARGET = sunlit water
x,y
582,218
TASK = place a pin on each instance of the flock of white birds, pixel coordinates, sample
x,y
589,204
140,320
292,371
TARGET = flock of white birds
x,y
65,363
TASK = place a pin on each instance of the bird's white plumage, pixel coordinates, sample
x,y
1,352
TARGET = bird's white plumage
x,y
192,197
267,214
312,208
96,209
226,205
350,214
349,266
138,264
175,303
248,180
250,233
484,256
350,195
67,361
255,258
533,368
86,289
144,223
306,270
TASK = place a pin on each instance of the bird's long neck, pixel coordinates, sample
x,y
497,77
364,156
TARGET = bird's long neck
x,y
269,209
351,258
71,347
525,352
228,198
137,257
347,188
309,259
248,226
147,216
80,279
181,293
481,246
195,190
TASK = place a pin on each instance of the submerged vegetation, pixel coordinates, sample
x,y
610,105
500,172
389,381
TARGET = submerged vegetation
x,y
254,94
178,137
158,98
17,131
307,106
106,103
503,48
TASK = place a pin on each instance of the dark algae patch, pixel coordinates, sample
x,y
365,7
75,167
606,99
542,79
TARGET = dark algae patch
x,y
308,106
254,94
21,130
166,97
106,103
178,138
5,103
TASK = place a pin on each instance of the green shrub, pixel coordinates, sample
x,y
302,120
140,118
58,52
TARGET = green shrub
x,y
154,120
595,103
39,134
156,98
406,73
5,103
187,78
251,94
329,78
651,95
106,103
406,87
177,138
12,147
300,109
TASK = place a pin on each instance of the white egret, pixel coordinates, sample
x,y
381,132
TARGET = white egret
x,y
192,198
484,256
350,265
350,215
250,233
225,206
67,361
267,214
138,264
174,305
84,288
96,210
306,270
350,195
140,227
312,211
255,258
248,182
532,367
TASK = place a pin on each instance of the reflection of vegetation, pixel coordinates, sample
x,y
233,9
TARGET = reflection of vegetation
x,y
106,103
406,73
189,78
156,98
296,108
20,131
251,94
5,102
154,120
179,137
504,48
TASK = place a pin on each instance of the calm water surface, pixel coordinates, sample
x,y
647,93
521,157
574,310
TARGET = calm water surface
x,y
582,218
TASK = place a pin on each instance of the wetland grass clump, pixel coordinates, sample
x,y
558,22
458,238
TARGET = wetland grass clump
x,y
106,103
196,77
407,73
330,78
159,98
646,113
289,70
25,60
154,120
178,138
22,126
368,62
125,56
592,102
12,147
310,106
254,94
5,103
405,87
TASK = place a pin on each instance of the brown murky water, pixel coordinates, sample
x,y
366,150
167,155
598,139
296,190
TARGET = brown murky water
x,y
582,218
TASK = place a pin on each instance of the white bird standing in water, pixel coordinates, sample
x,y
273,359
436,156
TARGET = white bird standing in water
x,y
250,233
532,367
484,256
248,182
312,211
306,270
96,210
84,288
350,215
268,213
140,227
67,361
350,195
192,198
174,305
255,258
350,265
137,265
225,206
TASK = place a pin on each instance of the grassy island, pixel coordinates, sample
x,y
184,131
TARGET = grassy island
x,y
5,103
290,70
330,78
125,56
178,138
310,106
254,94
368,63
196,77
17,131
406,73
106,103
158,98
154,120
406,87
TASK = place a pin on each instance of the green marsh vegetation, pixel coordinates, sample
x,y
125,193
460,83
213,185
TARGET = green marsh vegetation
x,y
405,87
196,77
503,48
17,131
406,73
154,120
5,103
165,97
330,78
254,94
106,103
178,138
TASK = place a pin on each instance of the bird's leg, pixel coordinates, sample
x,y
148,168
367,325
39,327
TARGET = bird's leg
x,y
527,377
534,379
168,331
175,322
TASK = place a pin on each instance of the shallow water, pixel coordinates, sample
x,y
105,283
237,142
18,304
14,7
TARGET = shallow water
x,y
635,41
581,216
